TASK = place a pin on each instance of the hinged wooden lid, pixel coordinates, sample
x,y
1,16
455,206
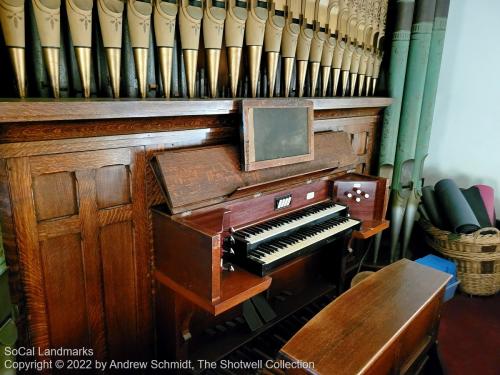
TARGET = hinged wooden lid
x,y
195,178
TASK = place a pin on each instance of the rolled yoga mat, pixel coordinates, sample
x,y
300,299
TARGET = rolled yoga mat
x,y
473,197
488,196
423,212
431,207
456,208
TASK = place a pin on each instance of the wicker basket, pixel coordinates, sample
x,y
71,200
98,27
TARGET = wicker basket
x,y
477,256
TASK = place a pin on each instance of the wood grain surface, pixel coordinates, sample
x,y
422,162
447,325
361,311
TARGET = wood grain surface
x,y
368,329
205,174
99,109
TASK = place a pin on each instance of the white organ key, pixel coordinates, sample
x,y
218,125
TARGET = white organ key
x,y
251,239
310,240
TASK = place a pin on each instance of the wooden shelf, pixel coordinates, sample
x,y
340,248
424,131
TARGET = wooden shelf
x,y
236,287
36,110
370,228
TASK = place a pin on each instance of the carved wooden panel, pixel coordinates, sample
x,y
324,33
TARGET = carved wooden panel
x,y
112,186
83,243
362,132
55,195
62,263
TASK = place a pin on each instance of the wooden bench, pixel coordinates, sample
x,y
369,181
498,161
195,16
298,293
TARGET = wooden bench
x,y
386,324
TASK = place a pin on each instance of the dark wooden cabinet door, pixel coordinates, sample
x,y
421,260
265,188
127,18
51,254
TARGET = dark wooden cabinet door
x,y
84,250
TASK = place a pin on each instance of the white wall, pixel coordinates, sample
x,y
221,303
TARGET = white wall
x,y
465,139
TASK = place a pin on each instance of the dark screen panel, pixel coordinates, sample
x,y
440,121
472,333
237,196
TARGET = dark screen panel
x,y
280,132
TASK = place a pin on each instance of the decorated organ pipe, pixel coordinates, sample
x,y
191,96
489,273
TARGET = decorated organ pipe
x,y
373,43
367,45
358,44
48,23
352,25
379,46
110,20
254,37
272,40
249,47
304,43
329,45
139,20
289,42
12,21
319,36
80,27
190,15
236,17
213,29
165,14
338,52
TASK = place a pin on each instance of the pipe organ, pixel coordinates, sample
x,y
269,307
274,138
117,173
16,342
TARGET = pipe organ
x,y
170,228
201,48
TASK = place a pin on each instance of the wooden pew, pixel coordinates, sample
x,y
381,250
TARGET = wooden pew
x,y
386,324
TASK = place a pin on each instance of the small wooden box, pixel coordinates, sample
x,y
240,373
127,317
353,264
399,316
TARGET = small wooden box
x,y
364,195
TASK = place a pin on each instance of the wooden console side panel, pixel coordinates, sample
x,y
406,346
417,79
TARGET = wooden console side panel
x,y
82,244
188,257
12,255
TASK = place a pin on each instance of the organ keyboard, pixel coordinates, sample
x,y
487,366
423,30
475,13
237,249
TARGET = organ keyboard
x,y
253,235
263,247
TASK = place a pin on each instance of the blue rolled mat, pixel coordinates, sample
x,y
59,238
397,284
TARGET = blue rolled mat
x,y
458,212
473,197
431,207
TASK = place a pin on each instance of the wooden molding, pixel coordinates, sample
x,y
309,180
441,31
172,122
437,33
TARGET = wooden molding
x,y
36,110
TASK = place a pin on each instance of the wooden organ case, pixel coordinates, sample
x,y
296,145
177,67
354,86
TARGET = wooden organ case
x,y
76,194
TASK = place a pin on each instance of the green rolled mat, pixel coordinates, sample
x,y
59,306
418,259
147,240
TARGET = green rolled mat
x,y
473,197
431,207
458,212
